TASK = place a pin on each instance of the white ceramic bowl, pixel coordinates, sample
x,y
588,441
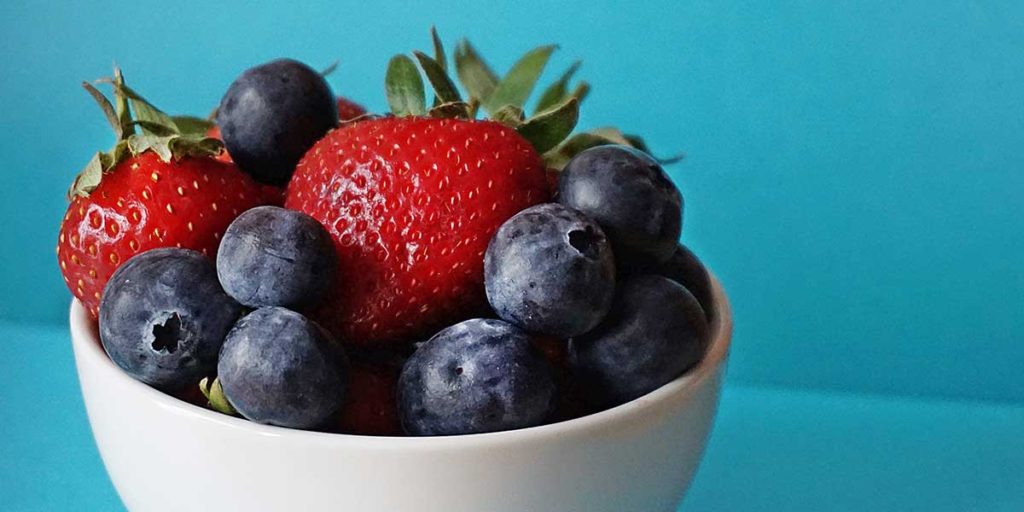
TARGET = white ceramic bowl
x,y
164,454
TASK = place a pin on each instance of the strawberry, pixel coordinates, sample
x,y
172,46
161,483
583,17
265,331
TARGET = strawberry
x,y
411,203
158,188
348,109
370,407
412,200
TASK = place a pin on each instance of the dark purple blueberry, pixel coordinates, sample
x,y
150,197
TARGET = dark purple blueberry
x,y
654,332
475,376
279,368
164,316
270,256
686,269
550,270
630,196
272,114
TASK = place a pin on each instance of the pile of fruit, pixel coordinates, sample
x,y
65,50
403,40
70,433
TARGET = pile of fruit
x,y
299,262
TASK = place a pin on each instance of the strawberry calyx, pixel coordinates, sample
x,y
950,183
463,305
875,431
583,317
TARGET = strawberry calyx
x,y
554,116
139,127
214,393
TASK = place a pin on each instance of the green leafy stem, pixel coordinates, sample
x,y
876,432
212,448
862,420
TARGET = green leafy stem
x,y
554,116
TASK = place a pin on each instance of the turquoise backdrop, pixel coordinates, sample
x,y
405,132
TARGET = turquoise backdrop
x,y
854,174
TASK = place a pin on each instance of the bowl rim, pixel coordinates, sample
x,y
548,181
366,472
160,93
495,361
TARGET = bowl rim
x,y
644,410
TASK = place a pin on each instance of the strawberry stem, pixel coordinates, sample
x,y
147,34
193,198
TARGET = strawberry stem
x,y
170,137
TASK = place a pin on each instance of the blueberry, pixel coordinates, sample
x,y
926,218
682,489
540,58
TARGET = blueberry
x,y
655,331
164,316
630,196
270,256
279,368
272,114
549,269
686,269
475,376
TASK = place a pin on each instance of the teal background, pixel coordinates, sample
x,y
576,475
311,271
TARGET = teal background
x,y
854,175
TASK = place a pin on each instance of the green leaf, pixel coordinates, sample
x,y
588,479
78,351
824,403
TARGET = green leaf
x,y
89,178
615,136
474,106
559,156
518,83
611,134
452,110
214,393
443,86
331,68
581,91
124,114
151,128
106,107
145,111
551,127
583,141
188,125
194,145
439,56
168,146
556,92
473,72
117,153
510,115
159,144
404,87
150,115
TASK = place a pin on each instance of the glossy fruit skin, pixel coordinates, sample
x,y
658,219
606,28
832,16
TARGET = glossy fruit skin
x,y
411,204
279,368
630,196
685,268
370,406
476,376
145,203
550,270
164,316
272,114
655,331
270,256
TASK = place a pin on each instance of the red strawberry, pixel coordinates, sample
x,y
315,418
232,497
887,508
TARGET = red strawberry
x,y
552,179
370,407
413,200
348,109
150,191
412,204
